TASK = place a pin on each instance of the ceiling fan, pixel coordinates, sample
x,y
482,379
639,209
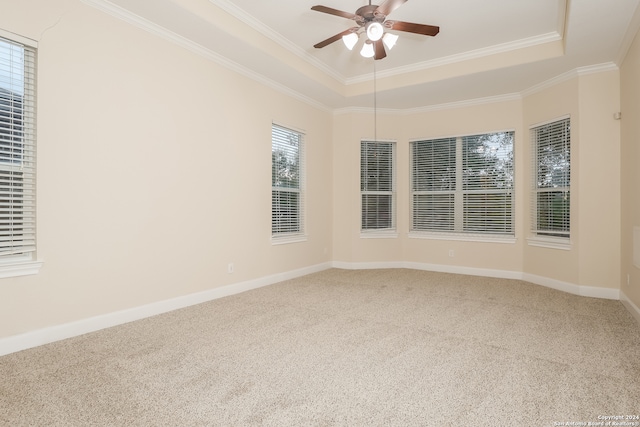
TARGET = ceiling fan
x,y
372,19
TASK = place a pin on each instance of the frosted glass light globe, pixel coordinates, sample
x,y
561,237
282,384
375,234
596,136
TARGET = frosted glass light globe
x,y
375,31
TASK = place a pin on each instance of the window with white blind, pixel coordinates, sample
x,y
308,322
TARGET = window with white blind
x,y
287,179
551,213
17,157
463,186
377,187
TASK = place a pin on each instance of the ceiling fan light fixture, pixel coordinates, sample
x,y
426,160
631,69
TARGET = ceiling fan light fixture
x,y
375,31
372,20
350,40
389,40
367,49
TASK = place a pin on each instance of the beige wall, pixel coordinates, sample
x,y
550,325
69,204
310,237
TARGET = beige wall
x,y
590,100
349,130
153,174
593,258
153,171
630,170
598,209
486,118
543,106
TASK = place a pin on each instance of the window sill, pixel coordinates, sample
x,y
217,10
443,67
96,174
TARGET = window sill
x,y
550,243
288,238
462,237
18,268
387,234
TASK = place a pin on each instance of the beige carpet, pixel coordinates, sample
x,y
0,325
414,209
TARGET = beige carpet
x,y
349,348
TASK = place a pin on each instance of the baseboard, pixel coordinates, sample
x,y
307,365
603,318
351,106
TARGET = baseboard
x,y
51,334
367,265
469,271
586,291
629,305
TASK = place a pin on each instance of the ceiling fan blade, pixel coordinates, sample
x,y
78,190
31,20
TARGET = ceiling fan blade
x,y
389,6
334,38
409,27
379,50
335,12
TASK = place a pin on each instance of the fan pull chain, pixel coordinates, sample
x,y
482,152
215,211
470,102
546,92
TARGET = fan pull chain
x,y
375,105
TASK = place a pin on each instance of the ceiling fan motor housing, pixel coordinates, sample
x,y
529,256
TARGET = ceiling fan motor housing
x,y
367,14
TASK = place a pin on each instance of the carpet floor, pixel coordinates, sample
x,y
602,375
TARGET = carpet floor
x,y
393,347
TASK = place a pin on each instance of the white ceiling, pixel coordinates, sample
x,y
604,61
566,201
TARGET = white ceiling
x,y
485,49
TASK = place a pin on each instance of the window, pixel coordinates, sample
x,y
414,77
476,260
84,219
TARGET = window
x,y
377,186
287,195
17,156
551,157
463,185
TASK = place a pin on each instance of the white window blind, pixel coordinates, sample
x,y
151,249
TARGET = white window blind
x,y
551,168
287,195
487,183
433,184
377,185
463,185
17,150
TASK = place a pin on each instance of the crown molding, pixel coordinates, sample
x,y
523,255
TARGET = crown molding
x,y
580,71
461,57
251,21
430,108
629,36
597,68
466,103
367,110
157,30
268,32
577,72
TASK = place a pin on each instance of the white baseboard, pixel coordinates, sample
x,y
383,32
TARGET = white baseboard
x,y
633,309
469,271
51,334
367,265
586,291
59,332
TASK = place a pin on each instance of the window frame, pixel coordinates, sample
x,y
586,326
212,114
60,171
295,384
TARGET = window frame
x,y
537,236
457,193
381,232
24,262
298,235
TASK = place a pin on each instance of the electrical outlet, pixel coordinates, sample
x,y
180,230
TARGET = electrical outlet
x,y
230,268
452,253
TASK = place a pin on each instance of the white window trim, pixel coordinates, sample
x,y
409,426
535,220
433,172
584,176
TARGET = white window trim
x,y
391,232
458,236
21,265
562,243
18,38
462,237
540,240
300,236
15,267
379,234
284,239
